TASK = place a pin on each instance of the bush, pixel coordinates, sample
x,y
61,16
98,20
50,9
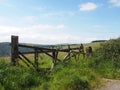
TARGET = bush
x,y
107,59
110,51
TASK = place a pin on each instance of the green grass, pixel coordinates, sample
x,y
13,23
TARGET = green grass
x,y
85,74
71,76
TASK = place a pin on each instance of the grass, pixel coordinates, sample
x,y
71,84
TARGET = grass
x,y
70,75
85,74
19,78
95,45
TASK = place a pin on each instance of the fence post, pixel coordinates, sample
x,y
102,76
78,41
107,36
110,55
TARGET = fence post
x,y
36,59
53,57
14,49
69,51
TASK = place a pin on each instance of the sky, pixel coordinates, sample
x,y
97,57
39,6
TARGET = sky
x,y
59,21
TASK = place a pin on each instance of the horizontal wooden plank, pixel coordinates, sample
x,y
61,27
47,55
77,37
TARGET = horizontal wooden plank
x,y
48,49
35,47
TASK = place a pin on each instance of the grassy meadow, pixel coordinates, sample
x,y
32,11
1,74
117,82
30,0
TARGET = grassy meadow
x,y
85,74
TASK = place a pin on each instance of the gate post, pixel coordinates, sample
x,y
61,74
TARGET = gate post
x,y
14,49
36,59
69,52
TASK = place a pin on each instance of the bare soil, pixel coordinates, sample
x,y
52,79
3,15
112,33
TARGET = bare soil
x,y
111,85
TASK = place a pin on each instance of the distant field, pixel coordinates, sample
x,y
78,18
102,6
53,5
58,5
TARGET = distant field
x,y
94,45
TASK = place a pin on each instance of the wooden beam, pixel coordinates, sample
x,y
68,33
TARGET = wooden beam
x,y
34,47
39,51
47,49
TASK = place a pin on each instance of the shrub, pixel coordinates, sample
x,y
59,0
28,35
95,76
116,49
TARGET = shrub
x,y
107,59
110,51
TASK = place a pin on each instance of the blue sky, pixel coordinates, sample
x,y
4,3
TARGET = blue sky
x,y
59,21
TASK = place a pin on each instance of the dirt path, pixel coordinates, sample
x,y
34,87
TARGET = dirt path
x,y
111,85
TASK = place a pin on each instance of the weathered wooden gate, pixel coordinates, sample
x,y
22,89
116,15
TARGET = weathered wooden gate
x,y
16,54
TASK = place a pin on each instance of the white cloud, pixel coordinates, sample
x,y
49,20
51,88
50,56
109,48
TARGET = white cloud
x,y
58,14
54,38
4,19
88,6
35,31
9,29
46,27
42,34
13,20
115,2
